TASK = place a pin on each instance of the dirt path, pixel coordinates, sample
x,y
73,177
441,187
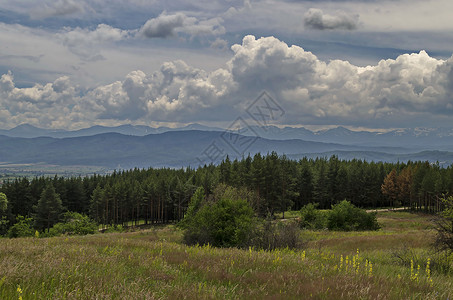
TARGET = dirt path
x,y
386,209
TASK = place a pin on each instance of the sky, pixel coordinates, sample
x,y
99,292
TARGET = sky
x,y
71,64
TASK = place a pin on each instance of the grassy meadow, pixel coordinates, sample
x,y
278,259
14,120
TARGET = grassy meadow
x,y
396,262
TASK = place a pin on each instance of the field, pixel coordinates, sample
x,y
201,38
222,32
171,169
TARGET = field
x,y
391,263
30,171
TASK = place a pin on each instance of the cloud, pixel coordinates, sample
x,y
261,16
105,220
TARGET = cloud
x,y
50,105
317,19
163,26
392,93
219,44
85,43
169,25
57,8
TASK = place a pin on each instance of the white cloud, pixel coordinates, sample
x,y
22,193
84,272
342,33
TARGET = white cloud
x,y
86,43
391,93
317,19
41,105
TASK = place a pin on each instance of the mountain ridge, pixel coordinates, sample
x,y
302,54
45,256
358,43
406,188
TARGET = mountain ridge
x,y
182,149
422,138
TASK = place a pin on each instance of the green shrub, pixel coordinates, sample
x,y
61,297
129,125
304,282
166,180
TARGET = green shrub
x,y
114,228
225,223
345,216
312,218
444,227
22,228
73,224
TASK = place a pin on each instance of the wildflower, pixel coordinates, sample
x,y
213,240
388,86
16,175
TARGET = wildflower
x,y
418,273
19,291
428,272
412,269
347,263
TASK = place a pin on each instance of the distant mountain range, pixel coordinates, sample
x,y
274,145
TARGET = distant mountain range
x,y
415,138
188,147
30,131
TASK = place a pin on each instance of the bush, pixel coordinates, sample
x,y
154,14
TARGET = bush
x,y
444,227
273,235
73,224
345,216
226,223
22,228
312,218
114,228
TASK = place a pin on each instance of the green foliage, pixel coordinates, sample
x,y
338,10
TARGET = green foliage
x,y
49,208
3,204
225,223
448,211
270,183
114,228
345,216
3,225
194,205
444,238
312,218
74,224
22,228
3,212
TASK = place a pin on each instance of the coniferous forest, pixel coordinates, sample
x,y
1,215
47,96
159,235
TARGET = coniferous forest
x,y
274,184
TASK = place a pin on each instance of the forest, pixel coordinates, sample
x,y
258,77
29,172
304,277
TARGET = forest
x,y
273,183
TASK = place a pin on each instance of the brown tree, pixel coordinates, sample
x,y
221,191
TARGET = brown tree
x,y
390,187
404,184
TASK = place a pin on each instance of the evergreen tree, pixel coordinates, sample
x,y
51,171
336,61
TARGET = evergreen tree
x,y
3,204
321,193
3,213
304,186
96,207
194,205
49,208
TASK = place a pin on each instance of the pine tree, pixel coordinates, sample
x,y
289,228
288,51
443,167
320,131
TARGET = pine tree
x,y
3,213
304,186
3,204
96,207
49,208
321,188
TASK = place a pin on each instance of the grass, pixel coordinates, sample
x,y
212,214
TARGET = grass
x,y
153,264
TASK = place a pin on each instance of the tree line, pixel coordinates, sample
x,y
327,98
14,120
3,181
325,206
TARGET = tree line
x,y
273,184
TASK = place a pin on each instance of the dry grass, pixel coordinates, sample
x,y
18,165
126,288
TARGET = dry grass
x,y
153,264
